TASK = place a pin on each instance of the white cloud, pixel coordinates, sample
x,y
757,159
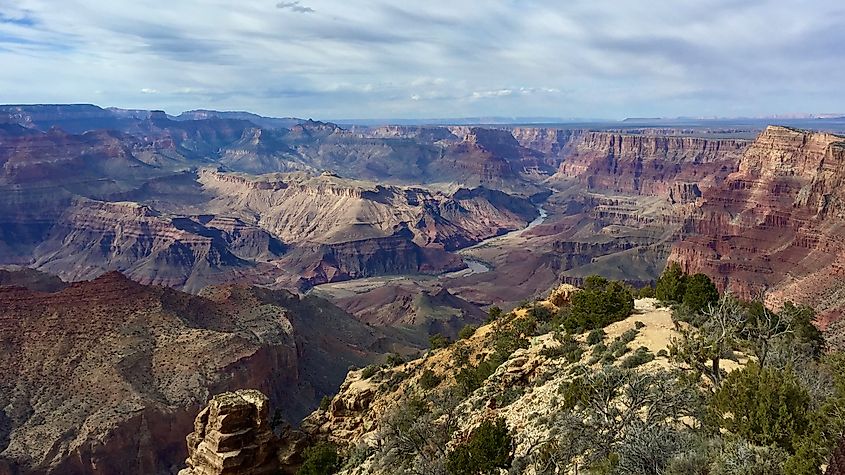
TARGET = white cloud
x,y
429,59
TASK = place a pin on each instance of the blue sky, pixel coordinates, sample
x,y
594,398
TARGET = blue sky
x,y
432,58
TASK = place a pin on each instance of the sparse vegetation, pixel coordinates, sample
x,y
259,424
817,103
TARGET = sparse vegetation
x,y
429,380
488,449
778,412
596,336
437,341
467,332
321,459
600,303
369,371
640,357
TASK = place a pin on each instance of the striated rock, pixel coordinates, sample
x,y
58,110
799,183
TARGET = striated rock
x,y
776,224
326,209
232,436
106,376
647,164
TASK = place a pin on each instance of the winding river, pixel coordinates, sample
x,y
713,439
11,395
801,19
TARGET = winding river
x,y
475,266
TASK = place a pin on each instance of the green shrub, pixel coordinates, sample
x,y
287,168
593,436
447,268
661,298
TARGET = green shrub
x,y
640,357
629,335
699,292
639,325
394,360
467,332
671,285
488,449
541,313
369,371
596,336
438,341
663,353
493,314
599,304
646,292
569,349
764,406
325,403
599,349
321,459
429,380
508,396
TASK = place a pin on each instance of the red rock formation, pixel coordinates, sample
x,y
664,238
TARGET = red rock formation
x,y
777,223
106,376
648,165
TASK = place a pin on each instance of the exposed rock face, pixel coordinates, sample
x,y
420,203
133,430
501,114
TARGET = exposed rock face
x,y
232,436
776,224
92,237
648,165
106,376
299,208
396,254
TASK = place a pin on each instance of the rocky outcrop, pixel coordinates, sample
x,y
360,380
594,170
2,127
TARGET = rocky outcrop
x,y
232,436
106,376
775,225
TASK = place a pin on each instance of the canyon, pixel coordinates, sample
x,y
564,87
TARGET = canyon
x,y
149,262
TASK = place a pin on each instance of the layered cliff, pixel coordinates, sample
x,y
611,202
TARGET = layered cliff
x,y
776,224
106,376
92,237
299,208
648,164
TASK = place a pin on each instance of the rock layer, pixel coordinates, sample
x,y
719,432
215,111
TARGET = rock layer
x,y
232,436
777,224
106,376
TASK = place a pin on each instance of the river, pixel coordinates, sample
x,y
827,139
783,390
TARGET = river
x,y
475,266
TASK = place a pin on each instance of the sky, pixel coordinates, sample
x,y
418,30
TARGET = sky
x,y
333,59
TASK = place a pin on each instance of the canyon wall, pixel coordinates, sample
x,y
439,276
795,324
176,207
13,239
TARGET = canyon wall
x,y
777,224
106,376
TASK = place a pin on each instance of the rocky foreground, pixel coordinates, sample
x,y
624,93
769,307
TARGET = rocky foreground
x,y
106,376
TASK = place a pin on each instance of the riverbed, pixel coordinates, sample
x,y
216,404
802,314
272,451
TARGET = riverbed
x,y
474,267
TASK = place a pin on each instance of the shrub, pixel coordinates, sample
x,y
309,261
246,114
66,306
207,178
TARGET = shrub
x,y
369,371
394,360
599,304
489,448
699,292
429,380
493,314
646,292
671,285
437,341
541,313
663,353
325,403
569,349
629,336
765,406
640,357
639,325
467,332
596,336
321,459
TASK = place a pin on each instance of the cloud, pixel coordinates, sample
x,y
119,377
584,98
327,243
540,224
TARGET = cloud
x,y
439,58
295,7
